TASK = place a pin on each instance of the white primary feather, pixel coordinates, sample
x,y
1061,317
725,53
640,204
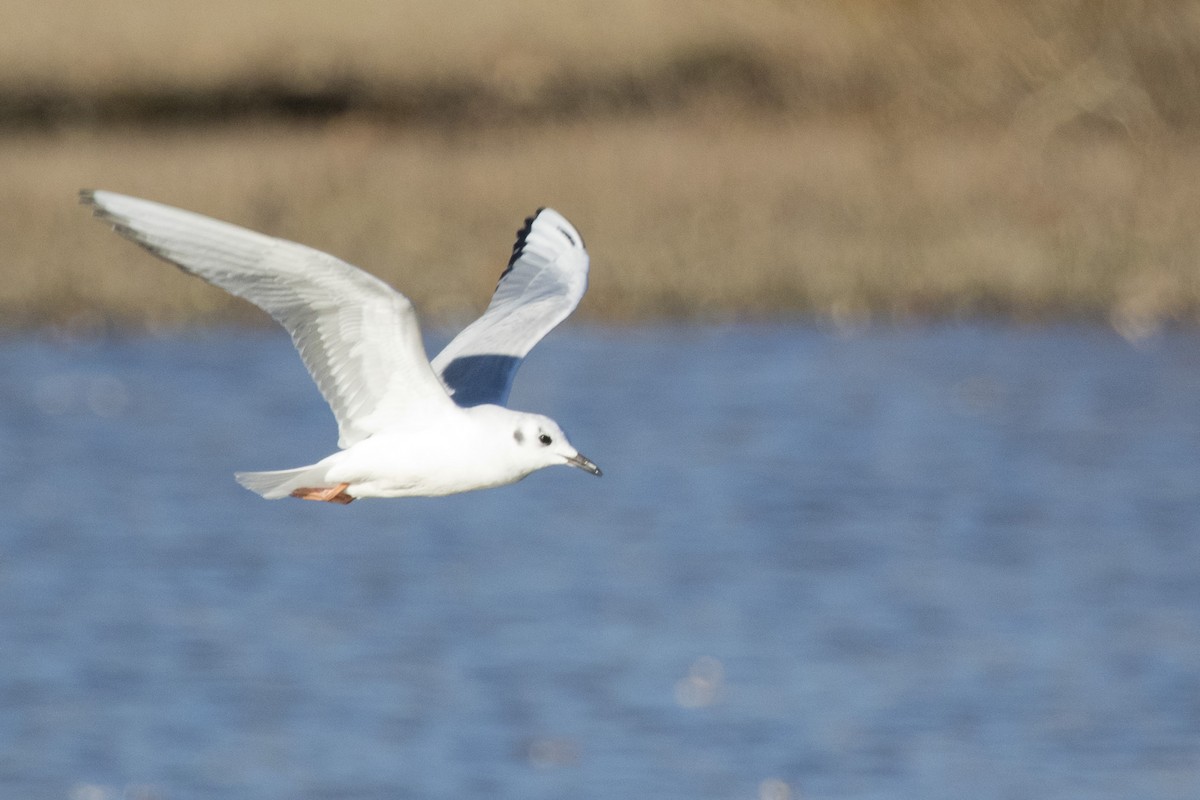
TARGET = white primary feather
x,y
358,337
544,282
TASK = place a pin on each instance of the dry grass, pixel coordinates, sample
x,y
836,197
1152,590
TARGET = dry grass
x,y
87,45
843,159
1130,61
693,217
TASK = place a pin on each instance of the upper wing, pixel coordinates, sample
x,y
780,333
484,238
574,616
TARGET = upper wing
x,y
545,279
358,337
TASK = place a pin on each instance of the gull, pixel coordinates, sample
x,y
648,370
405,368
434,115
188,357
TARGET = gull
x,y
406,427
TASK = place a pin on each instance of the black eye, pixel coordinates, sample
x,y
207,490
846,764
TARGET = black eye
x,y
544,439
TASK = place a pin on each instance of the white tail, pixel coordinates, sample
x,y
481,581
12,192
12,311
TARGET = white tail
x,y
280,483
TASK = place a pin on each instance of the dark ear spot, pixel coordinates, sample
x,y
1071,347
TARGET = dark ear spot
x,y
520,437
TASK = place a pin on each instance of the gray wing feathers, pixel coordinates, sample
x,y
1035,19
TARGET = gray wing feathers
x,y
358,337
544,282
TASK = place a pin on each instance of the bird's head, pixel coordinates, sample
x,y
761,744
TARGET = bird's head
x,y
540,440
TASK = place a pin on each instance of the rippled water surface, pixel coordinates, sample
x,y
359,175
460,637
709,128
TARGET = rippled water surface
x,y
935,563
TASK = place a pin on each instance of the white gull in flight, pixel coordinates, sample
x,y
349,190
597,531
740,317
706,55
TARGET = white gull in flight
x,y
406,427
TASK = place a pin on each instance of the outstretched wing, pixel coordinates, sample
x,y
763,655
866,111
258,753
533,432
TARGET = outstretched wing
x,y
544,282
358,337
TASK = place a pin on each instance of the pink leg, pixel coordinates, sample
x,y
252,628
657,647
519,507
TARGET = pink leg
x,y
335,494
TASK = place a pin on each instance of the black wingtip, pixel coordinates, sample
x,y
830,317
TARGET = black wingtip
x,y
519,245
88,198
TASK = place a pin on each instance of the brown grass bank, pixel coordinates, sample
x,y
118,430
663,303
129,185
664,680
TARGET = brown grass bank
x,y
847,160
1125,62
690,216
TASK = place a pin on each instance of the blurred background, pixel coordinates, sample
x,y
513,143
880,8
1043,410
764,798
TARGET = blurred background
x,y
730,160
889,357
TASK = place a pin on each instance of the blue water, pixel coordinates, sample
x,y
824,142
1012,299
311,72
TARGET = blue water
x,y
944,562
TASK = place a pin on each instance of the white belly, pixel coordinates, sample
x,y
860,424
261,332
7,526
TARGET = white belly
x,y
427,463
